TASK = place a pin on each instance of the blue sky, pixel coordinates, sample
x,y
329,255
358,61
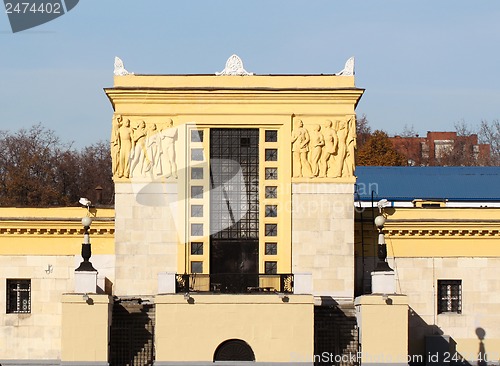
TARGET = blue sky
x,y
424,63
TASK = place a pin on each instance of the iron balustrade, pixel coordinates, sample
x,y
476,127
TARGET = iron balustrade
x,y
234,283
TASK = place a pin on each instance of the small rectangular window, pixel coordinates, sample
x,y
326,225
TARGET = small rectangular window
x,y
196,173
196,248
271,211
271,230
18,296
196,136
271,154
271,267
196,229
449,296
271,248
271,191
197,154
196,267
196,210
271,173
196,191
271,136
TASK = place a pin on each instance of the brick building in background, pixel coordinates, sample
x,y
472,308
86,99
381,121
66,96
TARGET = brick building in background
x,y
442,148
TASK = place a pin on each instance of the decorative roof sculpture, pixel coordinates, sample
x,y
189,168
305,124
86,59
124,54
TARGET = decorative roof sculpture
x,y
348,68
234,66
120,69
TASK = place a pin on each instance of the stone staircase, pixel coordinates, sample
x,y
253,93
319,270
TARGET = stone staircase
x,y
335,335
132,333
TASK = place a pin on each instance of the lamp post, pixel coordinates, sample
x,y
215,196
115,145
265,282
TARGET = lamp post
x,y
382,265
86,265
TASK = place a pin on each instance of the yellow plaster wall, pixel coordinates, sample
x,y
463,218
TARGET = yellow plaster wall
x,y
383,329
54,231
434,232
85,328
276,331
209,101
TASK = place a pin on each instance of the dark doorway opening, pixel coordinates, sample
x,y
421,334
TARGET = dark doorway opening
x,y
234,350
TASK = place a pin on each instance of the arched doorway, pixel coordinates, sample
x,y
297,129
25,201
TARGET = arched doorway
x,y
234,350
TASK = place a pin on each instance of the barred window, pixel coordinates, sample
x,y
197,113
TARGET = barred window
x,y
449,296
271,136
18,296
271,267
197,248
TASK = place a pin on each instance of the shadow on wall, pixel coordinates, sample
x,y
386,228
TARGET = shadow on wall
x,y
132,333
427,345
335,332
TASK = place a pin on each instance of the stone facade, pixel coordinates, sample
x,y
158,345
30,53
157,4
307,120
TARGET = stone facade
x,y
323,237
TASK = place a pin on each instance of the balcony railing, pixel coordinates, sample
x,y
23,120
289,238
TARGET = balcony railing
x,y
234,283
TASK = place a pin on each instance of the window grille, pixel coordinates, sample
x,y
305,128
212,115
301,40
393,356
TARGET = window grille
x,y
271,248
234,203
449,296
18,296
271,136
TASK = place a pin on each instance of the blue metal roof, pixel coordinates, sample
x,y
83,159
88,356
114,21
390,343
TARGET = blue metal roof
x,y
440,183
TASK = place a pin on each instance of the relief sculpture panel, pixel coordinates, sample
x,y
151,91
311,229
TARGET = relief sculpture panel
x,y
141,149
324,151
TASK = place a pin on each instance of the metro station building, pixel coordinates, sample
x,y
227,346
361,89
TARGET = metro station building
x,y
232,238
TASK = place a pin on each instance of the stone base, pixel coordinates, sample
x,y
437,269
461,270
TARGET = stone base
x,y
166,283
383,282
85,282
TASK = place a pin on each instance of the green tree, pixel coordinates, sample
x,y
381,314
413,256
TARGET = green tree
x,y
379,151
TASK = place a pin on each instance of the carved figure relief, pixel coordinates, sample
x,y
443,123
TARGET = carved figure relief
x,y
349,162
324,152
317,143
141,163
154,149
300,149
341,149
125,142
144,150
168,138
329,150
115,143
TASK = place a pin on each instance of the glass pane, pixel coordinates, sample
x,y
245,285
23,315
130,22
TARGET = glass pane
x,y
196,267
271,248
196,192
271,267
271,192
196,248
271,211
196,136
196,229
197,154
271,136
271,230
196,210
272,173
271,154
196,173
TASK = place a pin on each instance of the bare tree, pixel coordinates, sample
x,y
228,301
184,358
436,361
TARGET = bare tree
x,y
489,133
38,170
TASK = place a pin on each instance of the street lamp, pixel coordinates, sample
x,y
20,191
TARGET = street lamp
x,y
382,265
86,265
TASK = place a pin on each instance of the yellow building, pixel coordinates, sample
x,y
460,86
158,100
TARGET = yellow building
x,y
241,233
234,228
442,233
